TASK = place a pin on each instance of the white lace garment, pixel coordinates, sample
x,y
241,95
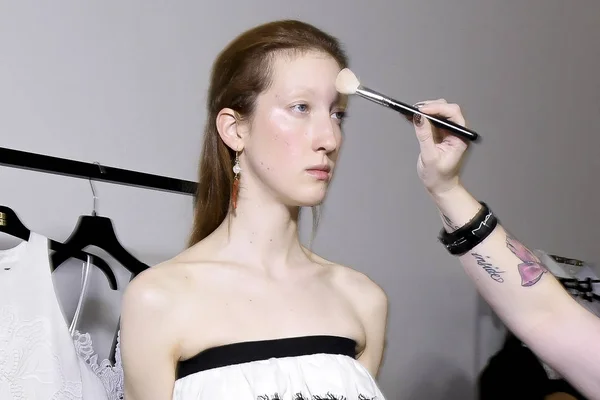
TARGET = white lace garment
x,y
110,375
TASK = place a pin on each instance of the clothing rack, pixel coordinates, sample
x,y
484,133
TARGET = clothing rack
x,y
578,287
566,260
94,171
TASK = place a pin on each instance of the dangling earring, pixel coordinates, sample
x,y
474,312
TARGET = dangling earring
x,y
236,180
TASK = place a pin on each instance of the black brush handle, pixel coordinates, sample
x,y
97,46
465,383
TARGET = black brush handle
x,y
443,123
410,111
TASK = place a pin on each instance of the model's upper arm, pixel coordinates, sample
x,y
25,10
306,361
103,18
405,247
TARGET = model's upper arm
x,y
373,305
148,339
570,343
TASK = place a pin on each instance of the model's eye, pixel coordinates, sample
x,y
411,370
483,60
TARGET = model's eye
x,y
339,115
300,108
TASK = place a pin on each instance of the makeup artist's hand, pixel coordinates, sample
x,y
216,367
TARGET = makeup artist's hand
x,y
441,155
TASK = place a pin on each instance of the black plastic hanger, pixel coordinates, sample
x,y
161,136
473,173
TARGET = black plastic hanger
x,y
94,230
12,225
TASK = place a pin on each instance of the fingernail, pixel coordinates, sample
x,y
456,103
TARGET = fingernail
x,y
419,104
418,120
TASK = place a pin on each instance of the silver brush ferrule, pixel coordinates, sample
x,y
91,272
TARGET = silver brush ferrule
x,y
372,95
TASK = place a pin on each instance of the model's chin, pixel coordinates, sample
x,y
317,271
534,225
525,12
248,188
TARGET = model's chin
x,y
313,197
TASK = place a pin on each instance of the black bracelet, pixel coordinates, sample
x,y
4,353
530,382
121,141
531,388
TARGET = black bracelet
x,y
470,235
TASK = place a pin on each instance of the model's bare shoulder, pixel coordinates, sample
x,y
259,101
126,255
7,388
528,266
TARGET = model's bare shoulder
x,y
367,293
354,283
156,288
370,303
150,331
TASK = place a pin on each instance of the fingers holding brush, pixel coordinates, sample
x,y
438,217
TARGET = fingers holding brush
x,y
443,109
421,104
441,152
427,134
446,111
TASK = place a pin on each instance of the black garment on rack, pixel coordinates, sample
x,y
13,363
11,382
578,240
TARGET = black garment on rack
x,y
516,373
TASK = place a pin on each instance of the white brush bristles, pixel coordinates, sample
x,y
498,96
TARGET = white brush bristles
x,y
346,82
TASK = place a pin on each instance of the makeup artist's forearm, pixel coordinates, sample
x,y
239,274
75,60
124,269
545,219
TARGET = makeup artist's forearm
x,y
457,207
494,269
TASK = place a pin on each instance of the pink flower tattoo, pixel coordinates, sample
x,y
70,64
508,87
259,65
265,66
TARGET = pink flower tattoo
x,y
531,269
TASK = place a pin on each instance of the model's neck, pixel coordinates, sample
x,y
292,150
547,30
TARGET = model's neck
x,y
262,233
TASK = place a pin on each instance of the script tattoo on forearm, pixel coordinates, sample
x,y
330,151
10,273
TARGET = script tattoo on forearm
x,y
449,224
494,272
531,269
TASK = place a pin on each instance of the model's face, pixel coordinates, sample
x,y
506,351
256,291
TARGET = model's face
x,y
295,136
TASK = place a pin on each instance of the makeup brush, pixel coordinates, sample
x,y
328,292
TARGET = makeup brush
x,y
347,83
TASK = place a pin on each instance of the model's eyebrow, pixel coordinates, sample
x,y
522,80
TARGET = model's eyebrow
x,y
340,100
302,90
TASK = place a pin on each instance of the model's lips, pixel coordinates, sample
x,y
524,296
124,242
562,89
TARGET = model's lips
x,y
321,172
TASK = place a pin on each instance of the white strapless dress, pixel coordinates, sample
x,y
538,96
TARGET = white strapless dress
x,y
299,368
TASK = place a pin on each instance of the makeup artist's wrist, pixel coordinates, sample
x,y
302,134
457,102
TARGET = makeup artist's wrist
x,y
456,205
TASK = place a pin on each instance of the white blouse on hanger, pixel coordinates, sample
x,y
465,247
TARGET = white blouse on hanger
x,y
37,354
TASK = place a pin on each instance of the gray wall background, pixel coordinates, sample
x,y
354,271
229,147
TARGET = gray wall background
x,y
123,83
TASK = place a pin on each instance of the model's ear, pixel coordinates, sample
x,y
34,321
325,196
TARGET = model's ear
x,y
231,128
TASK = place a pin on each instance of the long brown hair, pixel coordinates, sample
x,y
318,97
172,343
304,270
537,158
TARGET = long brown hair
x,y
239,74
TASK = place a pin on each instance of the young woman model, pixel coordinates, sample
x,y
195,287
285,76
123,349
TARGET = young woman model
x,y
247,312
